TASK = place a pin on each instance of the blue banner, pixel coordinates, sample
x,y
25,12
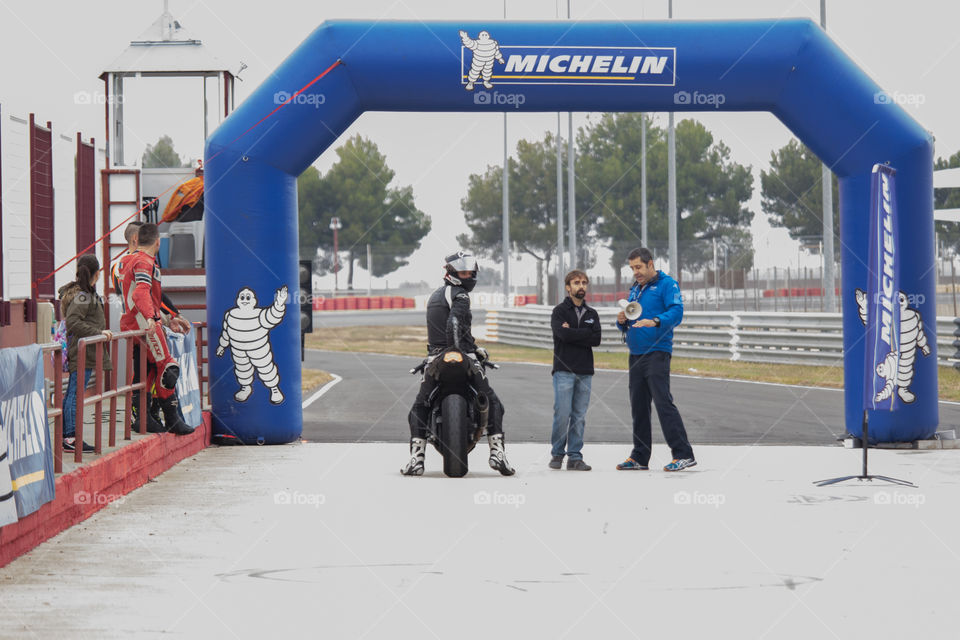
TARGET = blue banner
x,y
883,296
8,504
183,347
23,416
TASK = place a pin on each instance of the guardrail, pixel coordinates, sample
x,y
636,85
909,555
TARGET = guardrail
x,y
783,338
56,411
203,372
106,389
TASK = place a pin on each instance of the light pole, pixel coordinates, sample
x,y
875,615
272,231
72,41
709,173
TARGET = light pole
x,y
672,186
643,179
559,209
369,271
571,189
336,226
505,213
716,276
559,216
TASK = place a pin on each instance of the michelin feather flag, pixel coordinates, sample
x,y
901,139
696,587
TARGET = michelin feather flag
x,y
882,353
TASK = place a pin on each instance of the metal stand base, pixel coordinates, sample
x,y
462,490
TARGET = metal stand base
x,y
864,442
823,483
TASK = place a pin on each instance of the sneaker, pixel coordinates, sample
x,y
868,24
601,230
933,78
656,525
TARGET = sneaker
x,y
70,444
578,465
680,464
556,462
632,465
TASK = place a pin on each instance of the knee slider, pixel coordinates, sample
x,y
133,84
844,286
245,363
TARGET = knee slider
x,y
171,373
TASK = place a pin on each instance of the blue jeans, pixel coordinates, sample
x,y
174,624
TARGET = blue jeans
x,y
571,397
70,403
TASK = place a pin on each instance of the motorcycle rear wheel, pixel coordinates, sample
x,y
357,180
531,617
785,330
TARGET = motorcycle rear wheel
x,y
454,435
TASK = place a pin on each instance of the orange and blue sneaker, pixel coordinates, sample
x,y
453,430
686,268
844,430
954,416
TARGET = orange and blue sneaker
x,y
631,465
680,464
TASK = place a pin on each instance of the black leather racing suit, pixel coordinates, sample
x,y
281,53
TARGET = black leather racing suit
x,y
449,323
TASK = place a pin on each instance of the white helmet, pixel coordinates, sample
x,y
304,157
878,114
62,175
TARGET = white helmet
x,y
457,262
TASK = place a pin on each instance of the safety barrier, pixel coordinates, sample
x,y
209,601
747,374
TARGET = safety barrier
x,y
948,341
56,411
111,392
479,299
361,303
783,338
203,373
106,389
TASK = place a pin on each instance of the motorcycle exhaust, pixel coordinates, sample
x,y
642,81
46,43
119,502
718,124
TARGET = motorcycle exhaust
x,y
483,405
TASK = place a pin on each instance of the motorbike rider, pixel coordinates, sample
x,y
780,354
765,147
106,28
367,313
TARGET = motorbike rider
x,y
448,324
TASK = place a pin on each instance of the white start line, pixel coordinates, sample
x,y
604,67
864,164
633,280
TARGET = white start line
x,y
322,390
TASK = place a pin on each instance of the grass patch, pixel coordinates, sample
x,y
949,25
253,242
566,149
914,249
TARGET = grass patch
x,y
401,341
412,341
313,379
949,384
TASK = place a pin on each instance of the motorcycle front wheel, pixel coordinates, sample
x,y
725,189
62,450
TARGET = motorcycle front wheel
x,y
454,435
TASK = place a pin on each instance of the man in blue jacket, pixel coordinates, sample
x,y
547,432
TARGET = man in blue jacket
x,y
650,339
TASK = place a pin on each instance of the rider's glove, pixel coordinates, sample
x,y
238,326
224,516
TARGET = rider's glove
x,y
482,354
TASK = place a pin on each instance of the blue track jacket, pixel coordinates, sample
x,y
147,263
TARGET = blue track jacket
x,y
660,298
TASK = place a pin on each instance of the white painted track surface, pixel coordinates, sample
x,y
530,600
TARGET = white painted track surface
x,y
328,540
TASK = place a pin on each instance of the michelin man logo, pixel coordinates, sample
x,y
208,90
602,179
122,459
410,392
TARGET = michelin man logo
x,y
246,332
897,368
485,51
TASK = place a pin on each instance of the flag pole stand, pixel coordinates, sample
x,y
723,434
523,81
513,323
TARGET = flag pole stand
x,y
864,475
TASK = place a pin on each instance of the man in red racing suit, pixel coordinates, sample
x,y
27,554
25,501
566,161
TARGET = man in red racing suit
x,y
140,287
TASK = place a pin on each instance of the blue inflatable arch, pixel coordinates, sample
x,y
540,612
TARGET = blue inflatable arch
x,y
789,68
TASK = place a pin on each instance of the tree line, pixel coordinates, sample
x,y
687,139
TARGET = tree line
x,y
711,194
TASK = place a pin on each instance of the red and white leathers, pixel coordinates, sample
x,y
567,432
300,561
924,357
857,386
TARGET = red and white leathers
x,y
140,287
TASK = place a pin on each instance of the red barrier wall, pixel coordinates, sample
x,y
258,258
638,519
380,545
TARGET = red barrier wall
x,y
353,303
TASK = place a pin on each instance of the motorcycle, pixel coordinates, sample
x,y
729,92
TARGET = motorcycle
x,y
459,414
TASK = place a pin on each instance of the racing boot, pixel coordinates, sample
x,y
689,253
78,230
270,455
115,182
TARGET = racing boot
x,y
418,451
498,456
171,417
153,423
154,413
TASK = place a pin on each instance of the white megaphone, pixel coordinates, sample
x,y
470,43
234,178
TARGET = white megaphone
x,y
631,309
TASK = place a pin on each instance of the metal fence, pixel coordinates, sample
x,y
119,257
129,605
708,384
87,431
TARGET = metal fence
x,y
784,338
791,289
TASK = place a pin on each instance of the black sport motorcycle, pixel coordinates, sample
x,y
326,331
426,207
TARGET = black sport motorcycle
x,y
459,414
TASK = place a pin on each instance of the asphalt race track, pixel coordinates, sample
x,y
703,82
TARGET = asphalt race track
x,y
370,404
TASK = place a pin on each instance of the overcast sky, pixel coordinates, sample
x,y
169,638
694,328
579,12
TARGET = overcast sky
x,y
47,57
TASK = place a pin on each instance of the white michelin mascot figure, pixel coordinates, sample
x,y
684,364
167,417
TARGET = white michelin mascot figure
x,y
912,338
485,51
246,331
